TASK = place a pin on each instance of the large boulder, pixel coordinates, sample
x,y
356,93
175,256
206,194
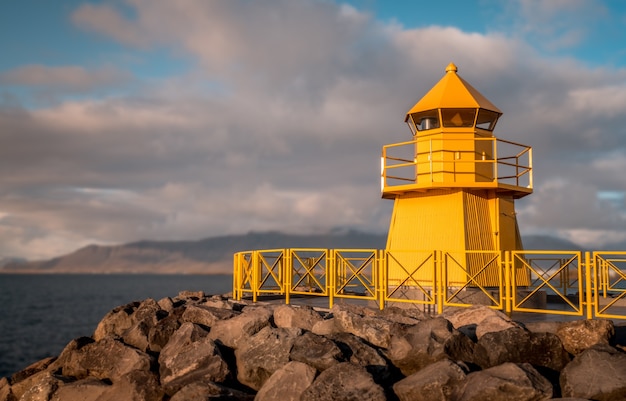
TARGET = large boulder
x,y
579,335
362,322
206,315
357,352
479,320
597,373
105,359
134,386
115,322
287,383
161,332
263,354
415,347
303,317
237,330
38,387
316,351
518,345
89,389
506,382
438,381
344,382
189,356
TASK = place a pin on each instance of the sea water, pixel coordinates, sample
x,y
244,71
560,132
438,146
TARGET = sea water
x,y
41,313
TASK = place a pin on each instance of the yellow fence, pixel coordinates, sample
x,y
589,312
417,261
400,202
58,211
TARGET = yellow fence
x,y
573,283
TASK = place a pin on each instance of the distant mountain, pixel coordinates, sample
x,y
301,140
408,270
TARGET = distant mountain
x,y
211,255
207,256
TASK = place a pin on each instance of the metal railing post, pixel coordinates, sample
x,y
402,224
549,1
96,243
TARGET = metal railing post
x,y
287,274
508,290
589,290
236,275
255,275
381,280
440,278
331,279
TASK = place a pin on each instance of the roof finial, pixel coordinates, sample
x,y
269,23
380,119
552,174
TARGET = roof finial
x,y
451,68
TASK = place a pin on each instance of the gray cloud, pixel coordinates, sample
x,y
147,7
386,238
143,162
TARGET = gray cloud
x,y
279,124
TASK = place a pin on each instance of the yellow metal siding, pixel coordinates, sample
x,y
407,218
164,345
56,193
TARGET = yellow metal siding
x,y
416,224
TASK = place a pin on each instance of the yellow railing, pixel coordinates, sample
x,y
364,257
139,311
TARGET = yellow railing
x,y
550,282
485,162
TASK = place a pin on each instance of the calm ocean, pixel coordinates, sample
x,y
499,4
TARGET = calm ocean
x,y
42,313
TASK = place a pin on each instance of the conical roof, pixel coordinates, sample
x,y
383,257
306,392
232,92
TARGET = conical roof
x,y
452,91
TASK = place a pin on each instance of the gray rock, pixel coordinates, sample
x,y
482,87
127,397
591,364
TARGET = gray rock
x,y
89,389
438,381
325,327
32,369
115,322
207,391
357,352
6,394
344,382
206,315
579,335
239,329
137,335
190,355
148,312
506,382
480,320
598,373
167,304
161,332
138,385
363,323
38,387
414,347
263,354
104,359
287,383
316,351
303,317
518,345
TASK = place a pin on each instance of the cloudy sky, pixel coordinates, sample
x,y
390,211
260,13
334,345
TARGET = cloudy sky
x,y
124,120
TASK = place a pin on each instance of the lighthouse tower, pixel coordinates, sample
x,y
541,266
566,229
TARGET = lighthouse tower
x,y
454,183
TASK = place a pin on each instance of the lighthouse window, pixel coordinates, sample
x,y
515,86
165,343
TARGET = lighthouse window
x,y
458,117
486,119
424,120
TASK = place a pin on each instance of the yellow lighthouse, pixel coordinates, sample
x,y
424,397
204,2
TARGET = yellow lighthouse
x,y
454,183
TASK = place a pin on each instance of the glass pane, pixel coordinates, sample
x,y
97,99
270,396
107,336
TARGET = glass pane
x,y
458,117
425,120
486,119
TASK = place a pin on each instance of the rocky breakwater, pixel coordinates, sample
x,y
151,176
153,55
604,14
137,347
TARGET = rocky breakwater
x,y
197,347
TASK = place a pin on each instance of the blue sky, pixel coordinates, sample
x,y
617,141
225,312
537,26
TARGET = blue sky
x,y
149,119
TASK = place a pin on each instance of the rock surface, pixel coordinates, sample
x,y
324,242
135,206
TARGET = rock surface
x,y
198,347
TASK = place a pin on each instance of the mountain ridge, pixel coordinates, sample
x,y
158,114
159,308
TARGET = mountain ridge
x,y
213,255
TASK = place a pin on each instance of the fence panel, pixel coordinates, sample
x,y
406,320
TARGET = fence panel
x,y
483,282
556,282
355,274
308,271
610,284
409,277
